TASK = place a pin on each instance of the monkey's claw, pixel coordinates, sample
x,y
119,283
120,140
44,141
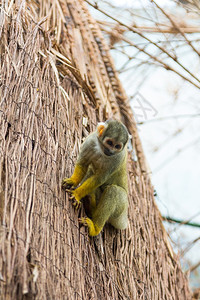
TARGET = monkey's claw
x,y
93,228
76,203
67,184
71,195
83,221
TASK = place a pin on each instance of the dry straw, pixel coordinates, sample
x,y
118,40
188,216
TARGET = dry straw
x,y
57,81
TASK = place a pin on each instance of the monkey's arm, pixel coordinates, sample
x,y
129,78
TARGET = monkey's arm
x,y
77,176
81,165
88,186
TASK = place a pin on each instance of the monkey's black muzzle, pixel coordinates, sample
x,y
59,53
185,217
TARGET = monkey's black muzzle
x,y
108,152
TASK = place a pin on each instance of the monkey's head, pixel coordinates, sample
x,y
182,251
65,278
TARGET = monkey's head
x,y
113,136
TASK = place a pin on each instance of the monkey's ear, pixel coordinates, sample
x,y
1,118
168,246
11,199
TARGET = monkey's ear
x,y
100,128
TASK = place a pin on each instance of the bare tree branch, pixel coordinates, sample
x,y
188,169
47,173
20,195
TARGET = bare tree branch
x,y
179,221
189,246
169,159
169,118
155,58
163,50
176,27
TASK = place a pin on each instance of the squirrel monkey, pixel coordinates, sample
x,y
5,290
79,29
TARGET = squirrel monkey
x,y
100,172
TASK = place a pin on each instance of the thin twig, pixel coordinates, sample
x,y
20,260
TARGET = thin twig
x,y
135,30
169,159
179,221
189,246
169,118
176,27
194,267
155,58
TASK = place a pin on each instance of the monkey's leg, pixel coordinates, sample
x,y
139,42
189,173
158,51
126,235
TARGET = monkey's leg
x,y
100,214
93,229
119,218
89,204
112,207
92,202
75,179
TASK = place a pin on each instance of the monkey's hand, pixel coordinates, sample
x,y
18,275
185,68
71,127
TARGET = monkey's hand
x,y
92,227
75,179
67,183
75,198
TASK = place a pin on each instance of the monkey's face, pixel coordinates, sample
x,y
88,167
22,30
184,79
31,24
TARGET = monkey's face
x,y
110,146
113,136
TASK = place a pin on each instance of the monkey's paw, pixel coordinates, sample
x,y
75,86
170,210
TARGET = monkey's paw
x,y
93,229
67,183
85,221
76,203
76,200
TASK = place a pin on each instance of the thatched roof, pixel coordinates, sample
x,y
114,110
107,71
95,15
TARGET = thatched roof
x,y
57,81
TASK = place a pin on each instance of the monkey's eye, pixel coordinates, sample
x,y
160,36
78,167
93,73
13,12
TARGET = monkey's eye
x,y
118,146
109,142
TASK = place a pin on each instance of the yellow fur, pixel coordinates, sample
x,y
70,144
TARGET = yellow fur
x,y
76,178
93,229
